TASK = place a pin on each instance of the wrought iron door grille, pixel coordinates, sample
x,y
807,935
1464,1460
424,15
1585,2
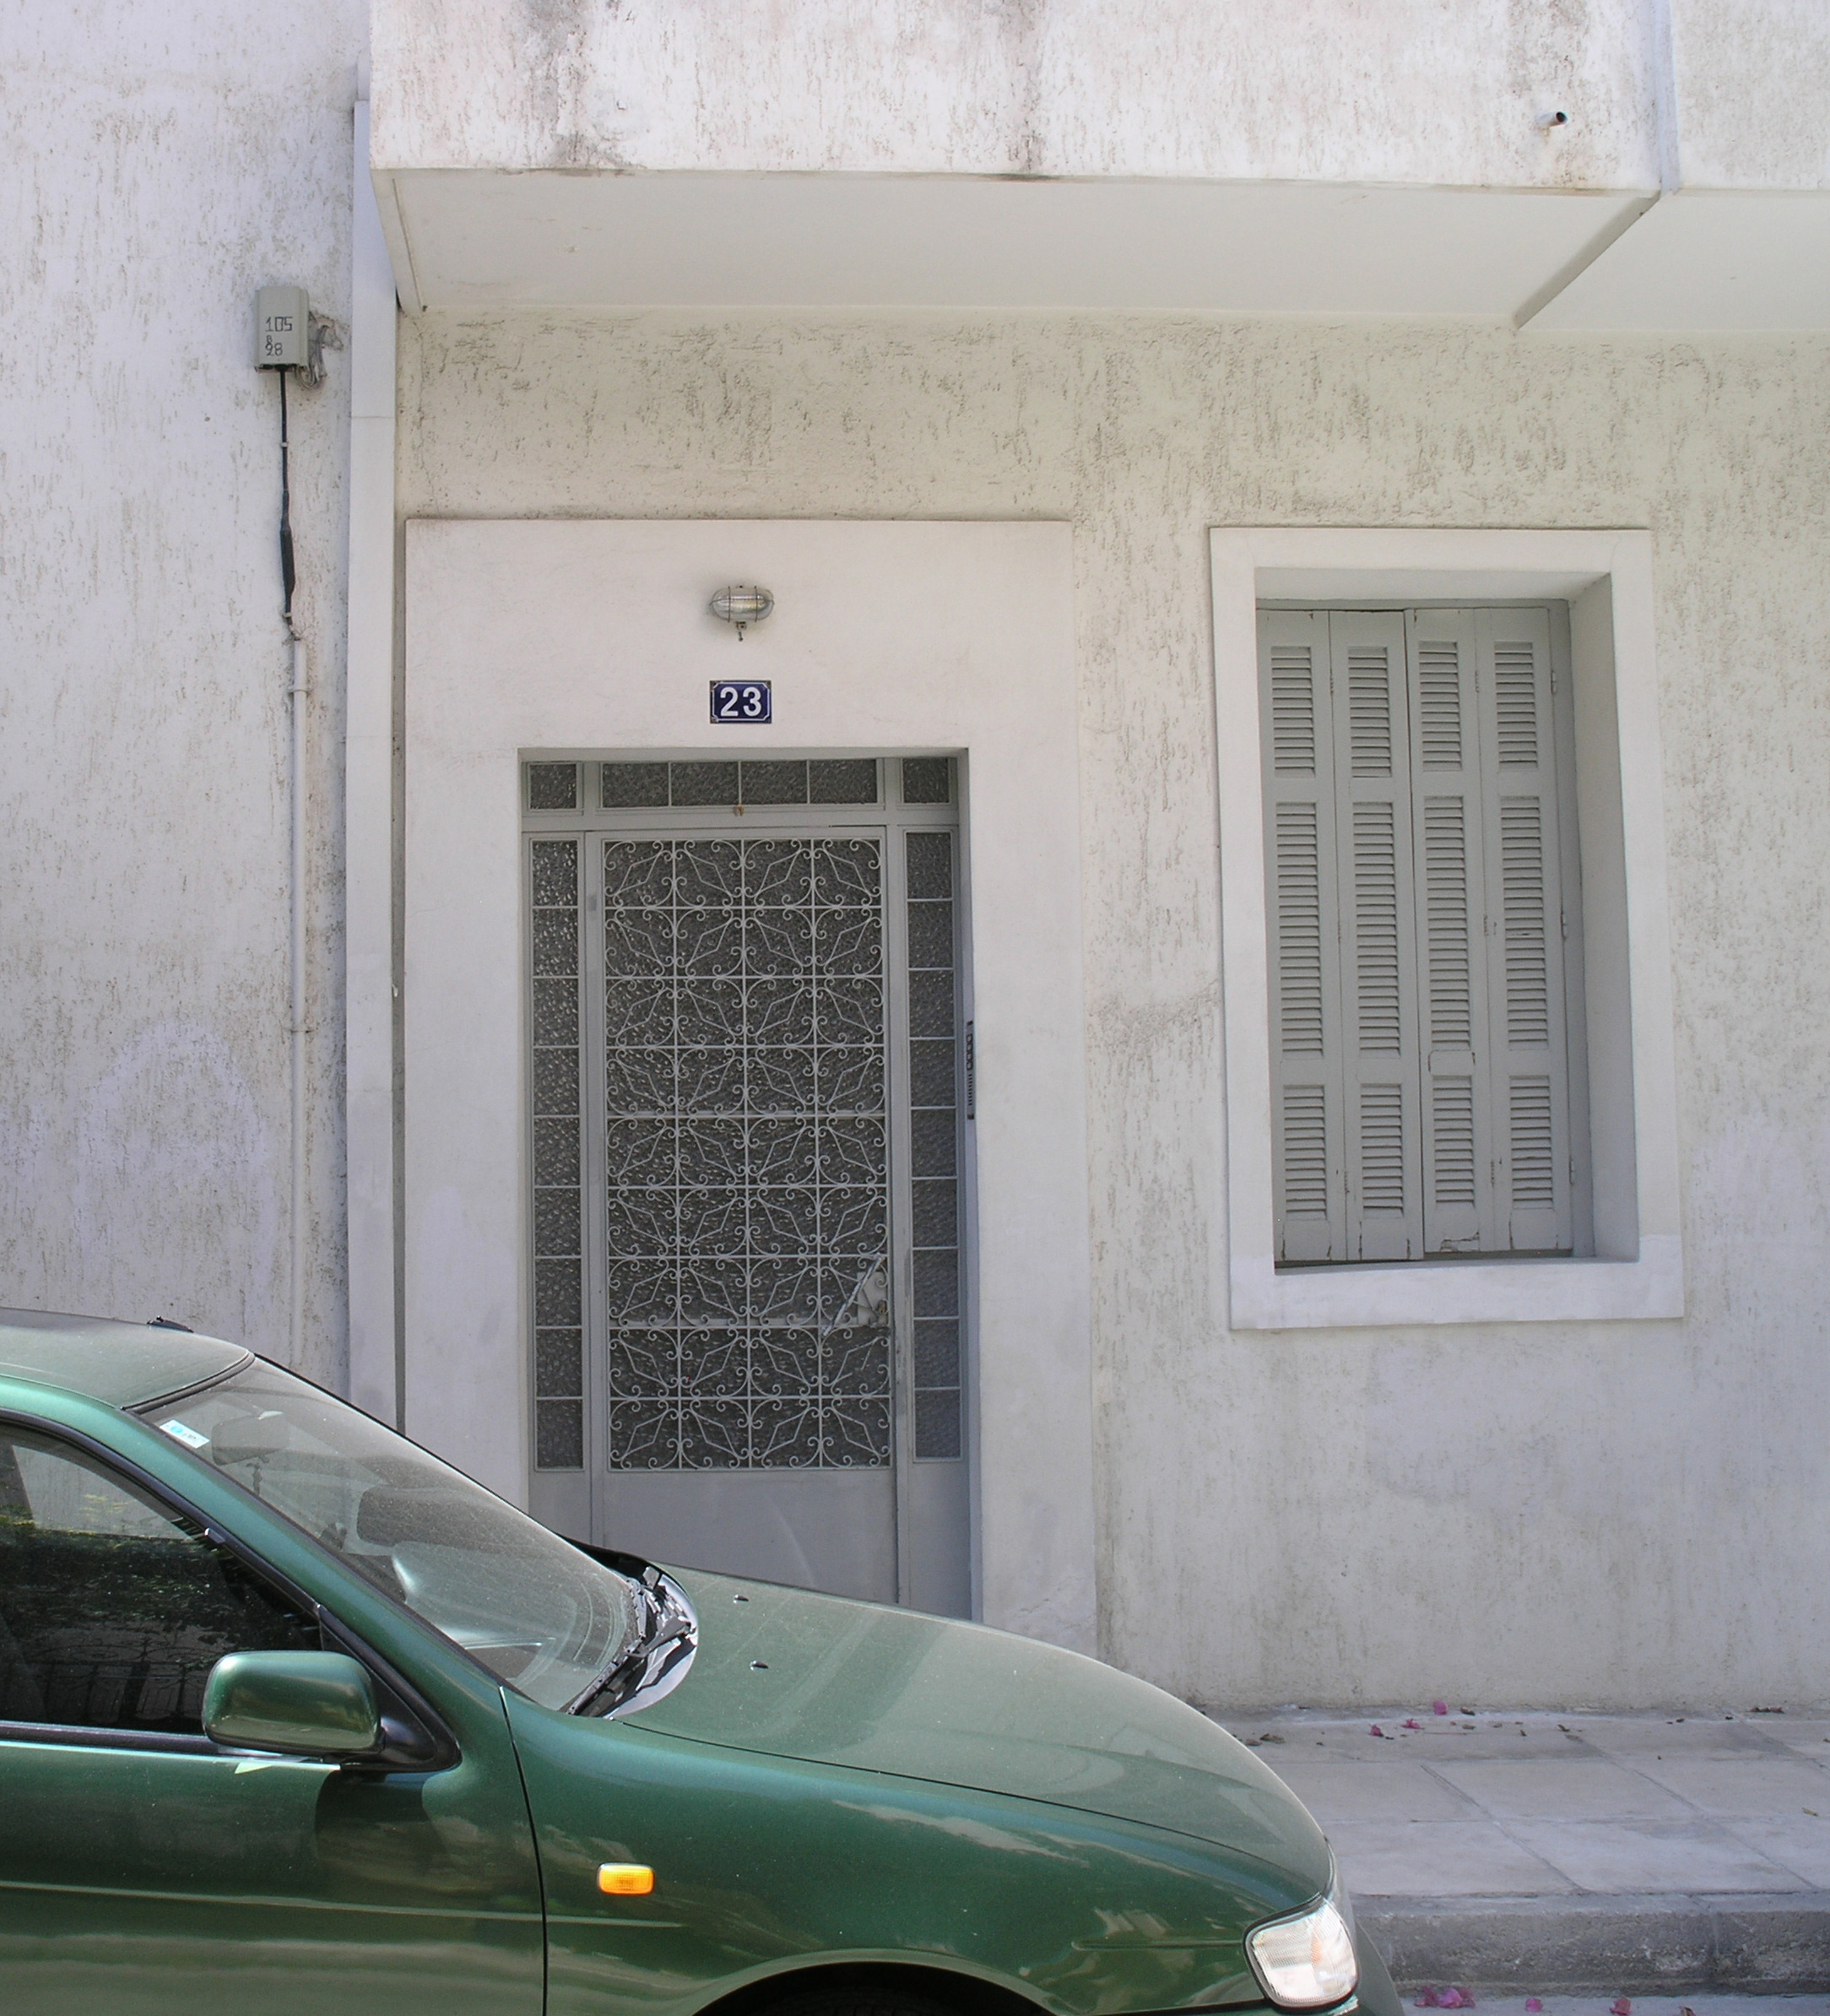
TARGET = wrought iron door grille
x,y
746,1280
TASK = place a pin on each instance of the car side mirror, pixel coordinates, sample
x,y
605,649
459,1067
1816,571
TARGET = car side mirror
x,y
305,1704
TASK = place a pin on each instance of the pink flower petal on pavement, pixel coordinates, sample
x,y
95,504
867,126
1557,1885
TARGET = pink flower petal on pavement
x,y
1413,1723
1533,2006
1439,1708
1377,1730
1621,2007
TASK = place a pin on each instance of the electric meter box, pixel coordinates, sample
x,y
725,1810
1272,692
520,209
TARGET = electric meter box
x,y
282,328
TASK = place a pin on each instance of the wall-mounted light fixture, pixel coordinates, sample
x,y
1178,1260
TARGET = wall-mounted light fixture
x,y
742,605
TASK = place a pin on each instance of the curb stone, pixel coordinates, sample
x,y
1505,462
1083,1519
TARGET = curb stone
x,y
1613,1945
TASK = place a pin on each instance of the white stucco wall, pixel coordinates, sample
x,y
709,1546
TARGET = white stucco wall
x,y
162,163
1448,94
1611,1514
1750,80
1036,87
1614,1514
1731,93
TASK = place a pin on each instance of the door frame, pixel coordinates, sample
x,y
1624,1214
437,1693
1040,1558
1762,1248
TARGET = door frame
x,y
575,1502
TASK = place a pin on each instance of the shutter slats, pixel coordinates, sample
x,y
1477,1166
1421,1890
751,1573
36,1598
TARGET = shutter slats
x,y
1369,709
1378,1001
1298,864
1448,935
1515,704
1524,948
1306,1117
1454,1184
1293,704
1383,1150
1306,1171
1438,663
1534,1172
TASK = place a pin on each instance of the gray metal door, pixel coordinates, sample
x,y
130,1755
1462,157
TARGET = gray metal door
x,y
747,1125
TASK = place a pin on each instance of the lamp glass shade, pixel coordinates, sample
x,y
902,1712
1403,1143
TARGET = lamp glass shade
x,y
739,604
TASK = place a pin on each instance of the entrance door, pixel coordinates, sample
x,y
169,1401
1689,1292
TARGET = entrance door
x,y
747,1075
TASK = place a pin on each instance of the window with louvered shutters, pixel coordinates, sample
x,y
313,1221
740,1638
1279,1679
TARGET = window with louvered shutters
x,y
1419,1029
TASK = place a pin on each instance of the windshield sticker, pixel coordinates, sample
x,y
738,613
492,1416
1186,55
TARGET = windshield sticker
x,y
188,1436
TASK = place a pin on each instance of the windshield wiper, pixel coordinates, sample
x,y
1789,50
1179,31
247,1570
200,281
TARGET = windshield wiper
x,y
665,1642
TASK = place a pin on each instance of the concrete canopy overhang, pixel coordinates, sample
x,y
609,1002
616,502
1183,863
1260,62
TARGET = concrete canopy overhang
x,y
470,239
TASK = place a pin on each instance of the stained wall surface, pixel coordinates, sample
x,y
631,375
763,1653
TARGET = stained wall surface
x,y
1451,95
1724,93
1611,1515
163,163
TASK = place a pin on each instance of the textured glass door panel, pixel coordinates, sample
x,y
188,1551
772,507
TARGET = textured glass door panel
x,y
746,1257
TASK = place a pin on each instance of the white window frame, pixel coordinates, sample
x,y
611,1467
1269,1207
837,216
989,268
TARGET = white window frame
x,y
1636,1271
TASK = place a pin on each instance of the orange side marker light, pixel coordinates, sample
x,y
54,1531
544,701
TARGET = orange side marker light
x,y
625,1879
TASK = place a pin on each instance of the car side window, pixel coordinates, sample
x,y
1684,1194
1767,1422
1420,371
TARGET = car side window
x,y
113,1609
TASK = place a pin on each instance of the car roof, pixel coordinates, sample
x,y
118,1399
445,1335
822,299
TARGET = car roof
x,y
119,1363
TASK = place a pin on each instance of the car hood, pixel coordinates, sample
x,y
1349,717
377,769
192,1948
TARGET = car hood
x,y
791,1673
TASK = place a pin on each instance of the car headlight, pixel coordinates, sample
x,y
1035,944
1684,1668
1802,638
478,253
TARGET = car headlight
x,y
1307,1962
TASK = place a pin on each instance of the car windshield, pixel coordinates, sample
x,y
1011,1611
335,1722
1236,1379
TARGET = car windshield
x,y
539,1614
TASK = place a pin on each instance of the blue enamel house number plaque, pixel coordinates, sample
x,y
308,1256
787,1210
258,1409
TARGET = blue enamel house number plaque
x,y
742,703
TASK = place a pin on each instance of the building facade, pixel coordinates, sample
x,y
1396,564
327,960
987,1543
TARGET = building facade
x,y
1232,1078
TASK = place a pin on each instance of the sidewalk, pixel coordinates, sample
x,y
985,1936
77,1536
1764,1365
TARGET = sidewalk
x,y
1554,1855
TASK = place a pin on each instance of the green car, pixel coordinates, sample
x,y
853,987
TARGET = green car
x,y
297,1721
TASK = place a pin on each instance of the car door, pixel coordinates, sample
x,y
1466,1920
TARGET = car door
x,y
145,1871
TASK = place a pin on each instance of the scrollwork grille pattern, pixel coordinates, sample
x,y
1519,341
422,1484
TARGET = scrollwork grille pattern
x,y
746,1294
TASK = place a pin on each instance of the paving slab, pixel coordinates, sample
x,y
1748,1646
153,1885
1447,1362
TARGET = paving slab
x,y
1627,1858
1801,1845
1576,1854
1674,1736
1440,1858
1590,1787
1744,1787
1345,1788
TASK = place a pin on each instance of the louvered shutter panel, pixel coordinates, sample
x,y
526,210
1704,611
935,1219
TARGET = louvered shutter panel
x,y
1458,1214
1526,998
1379,966
1308,1140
